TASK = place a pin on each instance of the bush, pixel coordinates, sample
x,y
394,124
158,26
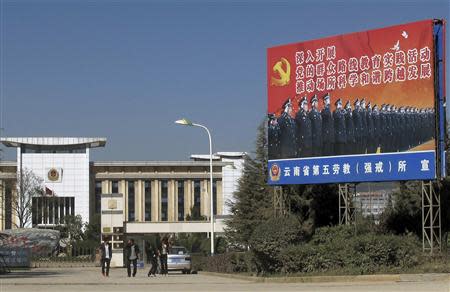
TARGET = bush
x,y
335,248
269,239
233,262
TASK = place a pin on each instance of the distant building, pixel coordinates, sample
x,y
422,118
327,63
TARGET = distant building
x,y
373,198
132,197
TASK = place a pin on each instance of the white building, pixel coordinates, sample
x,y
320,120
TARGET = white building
x,y
133,198
63,164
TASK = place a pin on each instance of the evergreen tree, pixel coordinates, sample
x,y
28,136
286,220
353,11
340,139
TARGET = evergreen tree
x,y
404,213
253,201
312,205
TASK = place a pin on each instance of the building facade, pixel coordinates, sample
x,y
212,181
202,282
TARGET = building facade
x,y
131,197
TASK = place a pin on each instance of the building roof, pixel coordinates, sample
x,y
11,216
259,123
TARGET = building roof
x,y
8,163
139,163
157,163
204,157
219,155
53,141
231,154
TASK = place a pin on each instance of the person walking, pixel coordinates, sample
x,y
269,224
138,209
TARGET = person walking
x,y
132,252
153,257
106,251
163,256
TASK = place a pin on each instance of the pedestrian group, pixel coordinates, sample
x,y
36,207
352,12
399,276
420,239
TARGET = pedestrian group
x,y
132,256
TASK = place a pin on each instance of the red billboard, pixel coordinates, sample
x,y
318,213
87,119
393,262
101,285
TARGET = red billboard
x,y
388,71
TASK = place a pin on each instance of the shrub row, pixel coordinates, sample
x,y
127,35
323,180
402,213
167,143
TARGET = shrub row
x,y
338,248
362,254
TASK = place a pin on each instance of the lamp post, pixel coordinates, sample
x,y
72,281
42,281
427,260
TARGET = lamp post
x,y
186,122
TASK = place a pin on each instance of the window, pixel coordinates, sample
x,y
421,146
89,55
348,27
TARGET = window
x,y
164,198
34,211
197,195
180,200
114,187
67,205
53,149
98,197
214,190
51,210
148,200
8,207
131,210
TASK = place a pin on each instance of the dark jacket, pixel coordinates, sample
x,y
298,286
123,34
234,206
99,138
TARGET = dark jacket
x,y
349,128
327,125
153,255
340,134
316,124
357,123
304,132
273,130
287,138
128,251
102,250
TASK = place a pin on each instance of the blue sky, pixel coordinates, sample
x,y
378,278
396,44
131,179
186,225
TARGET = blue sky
x,y
126,70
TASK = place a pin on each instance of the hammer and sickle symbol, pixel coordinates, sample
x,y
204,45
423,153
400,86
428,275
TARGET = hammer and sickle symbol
x,y
284,73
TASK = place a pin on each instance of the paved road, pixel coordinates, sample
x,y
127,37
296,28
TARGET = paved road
x,y
90,279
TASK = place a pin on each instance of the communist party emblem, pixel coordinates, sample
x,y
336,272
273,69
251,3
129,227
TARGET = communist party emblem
x,y
282,70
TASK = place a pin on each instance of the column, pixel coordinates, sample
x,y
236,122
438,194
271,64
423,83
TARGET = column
x,y
123,190
220,203
187,197
205,201
106,186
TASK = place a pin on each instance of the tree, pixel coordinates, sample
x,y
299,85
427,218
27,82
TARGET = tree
x,y
92,230
253,200
72,228
29,186
313,205
195,215
404,213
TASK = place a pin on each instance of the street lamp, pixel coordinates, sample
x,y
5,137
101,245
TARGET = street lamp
x,y
186,122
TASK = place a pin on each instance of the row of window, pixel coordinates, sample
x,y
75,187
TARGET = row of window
x,y
51,210
164,199
52,149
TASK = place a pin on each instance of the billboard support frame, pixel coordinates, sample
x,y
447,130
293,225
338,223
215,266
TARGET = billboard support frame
x,y
280,202
431,219
346,208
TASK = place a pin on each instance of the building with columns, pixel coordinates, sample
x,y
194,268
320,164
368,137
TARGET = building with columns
x,y
132,197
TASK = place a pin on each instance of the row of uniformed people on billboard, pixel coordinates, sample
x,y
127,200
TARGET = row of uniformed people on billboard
x,y
346,130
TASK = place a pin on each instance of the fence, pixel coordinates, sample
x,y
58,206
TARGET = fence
x,y
76,256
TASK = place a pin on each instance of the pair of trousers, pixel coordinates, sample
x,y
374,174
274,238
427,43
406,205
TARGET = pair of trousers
x,y
105,266
134,262
163,259
153,268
